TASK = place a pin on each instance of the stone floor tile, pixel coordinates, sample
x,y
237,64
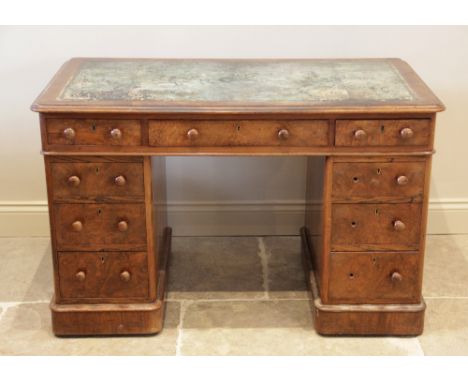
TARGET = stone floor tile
x,y
446,327
446,266
215,267
272,328
26,330
285,270
26,269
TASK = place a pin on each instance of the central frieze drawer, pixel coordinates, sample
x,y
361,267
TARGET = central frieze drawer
x,y
103,274
100,226
374,227
97,181
302,133
378,181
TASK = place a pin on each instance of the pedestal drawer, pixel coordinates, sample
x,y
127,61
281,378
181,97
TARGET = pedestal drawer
x,y
378,181
372,278
374,227
103,274
300,133
100,226
383,132
97,181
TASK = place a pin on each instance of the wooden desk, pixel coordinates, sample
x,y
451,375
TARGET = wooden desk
x,y
366,126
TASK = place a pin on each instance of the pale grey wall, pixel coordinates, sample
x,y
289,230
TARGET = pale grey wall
x,y
31,55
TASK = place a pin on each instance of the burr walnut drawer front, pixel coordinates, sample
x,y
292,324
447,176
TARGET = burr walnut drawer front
x,y
374,227
365,278
374,181
301,133
100,226
103,274
93,132
97,181
399,132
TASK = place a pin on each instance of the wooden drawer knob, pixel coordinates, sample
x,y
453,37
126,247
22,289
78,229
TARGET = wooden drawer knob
x,y
116,134
74,181
402,180
406,133
69,133
396,277
192,134
398,225
77,226
122,226
120,180
125,276
360,134
283,134
80,275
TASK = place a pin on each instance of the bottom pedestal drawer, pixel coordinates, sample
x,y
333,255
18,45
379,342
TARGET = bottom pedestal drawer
x,y
360,278
101,275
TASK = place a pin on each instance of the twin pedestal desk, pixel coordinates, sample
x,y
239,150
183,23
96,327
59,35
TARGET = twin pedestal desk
x,y
366,126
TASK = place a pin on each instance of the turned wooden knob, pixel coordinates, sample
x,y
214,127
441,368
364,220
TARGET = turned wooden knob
x,y
398,225
74,181
396,277
122,225
406,133
192,134
283,134
116,134
80,275
69,133
125,276
402,180
360,134
120,180
77,226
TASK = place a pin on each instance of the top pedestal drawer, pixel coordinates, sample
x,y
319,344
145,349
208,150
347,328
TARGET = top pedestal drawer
x,y
93,132
384,132
209,133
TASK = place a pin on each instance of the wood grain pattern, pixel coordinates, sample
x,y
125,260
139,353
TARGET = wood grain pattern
x,y
97,182
93,132
383,132
378,181
102,280
366,278
99,227
238,133
369,227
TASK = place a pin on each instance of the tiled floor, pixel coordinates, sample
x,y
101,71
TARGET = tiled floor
x,y
241,295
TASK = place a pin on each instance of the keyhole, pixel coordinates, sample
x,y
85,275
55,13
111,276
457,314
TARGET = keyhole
x,y
93,127
97,170
238,128
355,179
353,224
382,129
379,171
102,259
351,275
376,211
99,211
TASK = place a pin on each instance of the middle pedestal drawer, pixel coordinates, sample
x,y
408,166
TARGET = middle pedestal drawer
x,y
376,227
96,227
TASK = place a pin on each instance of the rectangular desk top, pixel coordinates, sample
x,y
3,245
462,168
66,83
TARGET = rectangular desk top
x,y
90,85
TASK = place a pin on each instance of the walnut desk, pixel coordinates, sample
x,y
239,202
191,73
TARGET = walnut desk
x,y
366,126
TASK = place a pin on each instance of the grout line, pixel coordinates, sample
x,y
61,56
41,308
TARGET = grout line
x,y
264,255
184,304
195,300
446,298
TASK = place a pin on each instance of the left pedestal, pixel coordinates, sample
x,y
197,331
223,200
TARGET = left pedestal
x,y
110,244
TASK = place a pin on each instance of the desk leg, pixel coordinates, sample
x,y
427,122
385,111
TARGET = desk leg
x,y
109,277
